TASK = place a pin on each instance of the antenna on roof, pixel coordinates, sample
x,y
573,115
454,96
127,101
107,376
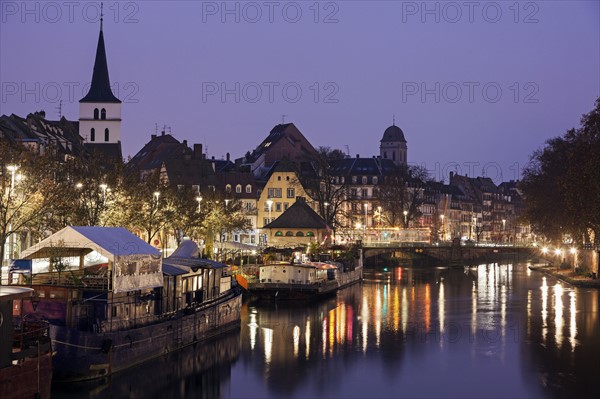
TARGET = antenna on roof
x,y
347,149
283,119
101,15
59,108
394,119
156,128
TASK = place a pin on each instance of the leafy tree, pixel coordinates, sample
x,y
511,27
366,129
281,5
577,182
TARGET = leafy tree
x,y
560,183
28,190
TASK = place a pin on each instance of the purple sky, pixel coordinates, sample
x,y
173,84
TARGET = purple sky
x,y
369,61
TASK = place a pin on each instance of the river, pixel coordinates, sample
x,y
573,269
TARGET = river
x,y
486,331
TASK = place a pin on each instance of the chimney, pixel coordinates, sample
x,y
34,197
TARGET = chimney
x,y
451,175
227,156
152,136
198,151
185,143
357,155
162,133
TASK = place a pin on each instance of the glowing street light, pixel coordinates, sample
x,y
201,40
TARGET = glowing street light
x,y
544,250
405,218
573,250
270,205
199,199
156,196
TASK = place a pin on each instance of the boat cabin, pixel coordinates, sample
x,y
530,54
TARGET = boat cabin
x,y
300,273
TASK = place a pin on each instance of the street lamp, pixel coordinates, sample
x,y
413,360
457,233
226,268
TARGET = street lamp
x,y
12,169
156,195
443,228
270,205
405,219
199,199
366,205
103,186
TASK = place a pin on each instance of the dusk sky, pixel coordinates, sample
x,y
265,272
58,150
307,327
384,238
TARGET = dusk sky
x,y
475,86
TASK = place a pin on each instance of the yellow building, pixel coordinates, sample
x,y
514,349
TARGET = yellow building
x,y
279,193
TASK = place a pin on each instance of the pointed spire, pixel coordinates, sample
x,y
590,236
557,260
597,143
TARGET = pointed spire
x,y
100,91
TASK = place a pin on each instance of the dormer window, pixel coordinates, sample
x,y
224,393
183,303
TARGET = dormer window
x,y
228,188
238,189
96,115
248,189
103,114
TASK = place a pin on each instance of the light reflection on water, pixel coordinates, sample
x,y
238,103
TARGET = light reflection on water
x,y
491,330
409,324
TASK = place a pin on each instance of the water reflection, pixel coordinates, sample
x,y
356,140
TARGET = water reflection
x,y
203,371
474,333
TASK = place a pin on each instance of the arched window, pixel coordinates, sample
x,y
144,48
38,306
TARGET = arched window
x,y
289,234
92,134
310,234
375,180
299,234
228,188
103,114
96,113
248,189
238,188
106,135
278,233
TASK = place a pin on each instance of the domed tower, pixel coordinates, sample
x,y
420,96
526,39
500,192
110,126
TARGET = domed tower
x,y
393,145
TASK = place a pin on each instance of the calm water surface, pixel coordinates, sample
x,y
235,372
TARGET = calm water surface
x,y
490,331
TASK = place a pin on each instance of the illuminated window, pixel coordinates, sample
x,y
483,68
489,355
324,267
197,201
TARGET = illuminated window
x,y
310,234
278,234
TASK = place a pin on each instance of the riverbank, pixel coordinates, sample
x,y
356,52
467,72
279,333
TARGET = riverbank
x,y
568,276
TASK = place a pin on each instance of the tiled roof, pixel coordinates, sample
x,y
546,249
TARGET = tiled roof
x,y
298,216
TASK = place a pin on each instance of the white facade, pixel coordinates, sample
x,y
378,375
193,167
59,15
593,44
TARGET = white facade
x,y
104,119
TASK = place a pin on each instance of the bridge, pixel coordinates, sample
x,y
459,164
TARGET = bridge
x,y
447,253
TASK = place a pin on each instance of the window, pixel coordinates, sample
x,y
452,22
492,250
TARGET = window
x,y
310,234
275,193
342,180
196,188
93,134
289,234
265,221
354,179
278,234
228,188
393,155
353,193
365,193
364,180
96,114
385,155
278,207
291,193
374,179
238,188
278,178
106,135
286,206
248,189
287,178
103,114
299,234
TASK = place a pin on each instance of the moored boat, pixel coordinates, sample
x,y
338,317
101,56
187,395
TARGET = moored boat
x,y
25,349
302,278
124,304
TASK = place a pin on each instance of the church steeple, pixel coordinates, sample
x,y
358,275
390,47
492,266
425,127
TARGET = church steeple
x,y
100,91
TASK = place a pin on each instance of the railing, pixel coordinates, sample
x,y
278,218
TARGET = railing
x,y
73,278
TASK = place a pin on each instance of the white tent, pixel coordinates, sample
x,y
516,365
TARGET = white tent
x,y
134,263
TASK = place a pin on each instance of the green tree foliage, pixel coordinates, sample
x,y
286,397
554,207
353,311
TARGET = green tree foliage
x,y
561,183
28,191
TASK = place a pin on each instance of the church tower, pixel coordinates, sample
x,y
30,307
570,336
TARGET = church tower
x,y
100,110
393,145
